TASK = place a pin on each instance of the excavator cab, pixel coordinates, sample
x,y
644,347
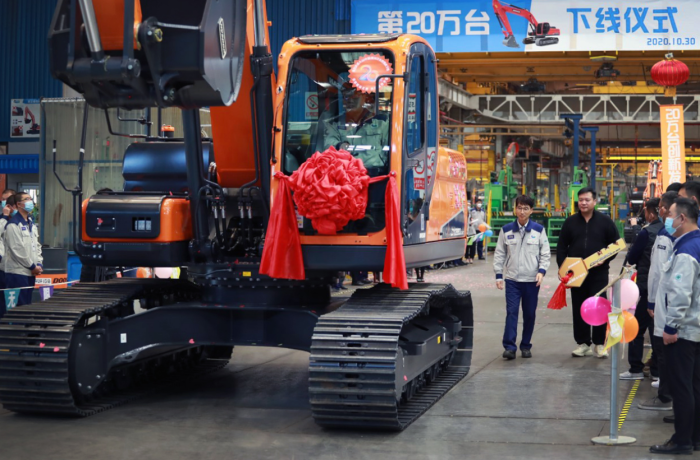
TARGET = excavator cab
x,y
542,30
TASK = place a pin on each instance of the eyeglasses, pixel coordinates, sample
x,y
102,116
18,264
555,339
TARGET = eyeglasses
x,y
521,209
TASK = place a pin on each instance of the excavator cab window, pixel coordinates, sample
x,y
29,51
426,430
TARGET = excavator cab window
x,y
542,29
326,107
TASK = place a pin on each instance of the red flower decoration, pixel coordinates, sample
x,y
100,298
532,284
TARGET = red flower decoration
x,y
330,188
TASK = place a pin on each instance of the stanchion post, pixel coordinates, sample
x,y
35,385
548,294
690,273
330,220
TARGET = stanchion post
x,y
613,438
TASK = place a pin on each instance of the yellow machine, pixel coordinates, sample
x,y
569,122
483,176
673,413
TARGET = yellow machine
x,y
379,358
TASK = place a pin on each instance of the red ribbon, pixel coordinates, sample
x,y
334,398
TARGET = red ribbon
x,y
330,190
558,300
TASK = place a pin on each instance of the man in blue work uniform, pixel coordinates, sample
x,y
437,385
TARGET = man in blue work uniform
x,y
640,255
679,296
522,258
23,260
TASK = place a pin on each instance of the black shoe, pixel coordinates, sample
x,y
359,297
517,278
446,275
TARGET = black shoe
x,y
509,354
342,288
420,280
670,419
358,283
365,281
482,258
526,353
671,448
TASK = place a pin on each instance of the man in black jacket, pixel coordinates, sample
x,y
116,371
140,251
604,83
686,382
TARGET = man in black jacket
x,y
582,235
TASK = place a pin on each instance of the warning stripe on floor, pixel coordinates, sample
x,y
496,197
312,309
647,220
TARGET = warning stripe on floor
x,y
630,399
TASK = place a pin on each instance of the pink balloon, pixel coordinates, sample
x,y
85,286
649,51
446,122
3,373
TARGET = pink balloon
x,y
594,311
163,272
629,294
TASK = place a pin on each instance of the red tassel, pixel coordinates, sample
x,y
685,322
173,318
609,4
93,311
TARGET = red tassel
x,y
282,256
559,298
394,261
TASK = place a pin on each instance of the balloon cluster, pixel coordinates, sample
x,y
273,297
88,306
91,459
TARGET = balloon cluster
x,y
487,232
595,310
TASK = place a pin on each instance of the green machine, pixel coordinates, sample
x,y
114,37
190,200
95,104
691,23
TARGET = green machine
x,y
500,193
580,180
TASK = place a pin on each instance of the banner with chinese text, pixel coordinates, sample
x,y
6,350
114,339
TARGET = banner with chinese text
x,y
672,144
498,26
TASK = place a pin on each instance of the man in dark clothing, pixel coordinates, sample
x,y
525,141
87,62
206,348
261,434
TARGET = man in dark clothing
x,y
640,255
582,235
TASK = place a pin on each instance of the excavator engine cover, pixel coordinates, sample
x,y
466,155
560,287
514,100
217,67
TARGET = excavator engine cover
x,y
129,230
188,53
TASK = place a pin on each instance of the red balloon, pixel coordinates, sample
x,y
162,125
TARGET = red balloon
x,y
670,73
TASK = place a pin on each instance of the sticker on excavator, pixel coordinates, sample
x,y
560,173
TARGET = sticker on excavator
x,y
365,71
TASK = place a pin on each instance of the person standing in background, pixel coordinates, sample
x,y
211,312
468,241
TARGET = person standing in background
x,y
582,235
678,295
22,260
663,248
4,219
640,255
478,217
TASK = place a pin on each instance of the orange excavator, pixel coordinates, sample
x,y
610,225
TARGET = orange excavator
x,y
539,33
378,359
655,185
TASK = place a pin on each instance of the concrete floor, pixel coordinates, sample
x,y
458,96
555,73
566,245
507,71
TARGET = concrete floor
x,y
257,408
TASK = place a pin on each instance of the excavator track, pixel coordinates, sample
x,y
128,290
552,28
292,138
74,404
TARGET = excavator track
x,y
356,355
36,356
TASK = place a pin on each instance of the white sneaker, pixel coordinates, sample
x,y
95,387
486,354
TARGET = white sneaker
x,y
600,352
631,376
581,351
654,378
655,384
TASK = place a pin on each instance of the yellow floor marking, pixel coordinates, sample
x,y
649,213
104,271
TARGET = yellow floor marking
x,y
630,398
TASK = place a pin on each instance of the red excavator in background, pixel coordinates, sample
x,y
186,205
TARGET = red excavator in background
x,y
540,33
29,118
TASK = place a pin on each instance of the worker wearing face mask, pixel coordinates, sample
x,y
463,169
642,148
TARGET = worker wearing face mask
x,y
478,217
23,260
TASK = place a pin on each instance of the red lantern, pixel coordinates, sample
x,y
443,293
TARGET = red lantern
x,y
670,73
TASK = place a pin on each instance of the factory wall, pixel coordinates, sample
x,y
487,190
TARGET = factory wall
x,y
24,57
293,18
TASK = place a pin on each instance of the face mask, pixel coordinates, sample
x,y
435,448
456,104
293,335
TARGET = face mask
x,y
478,206
29,206
14,211
668,224
4,203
